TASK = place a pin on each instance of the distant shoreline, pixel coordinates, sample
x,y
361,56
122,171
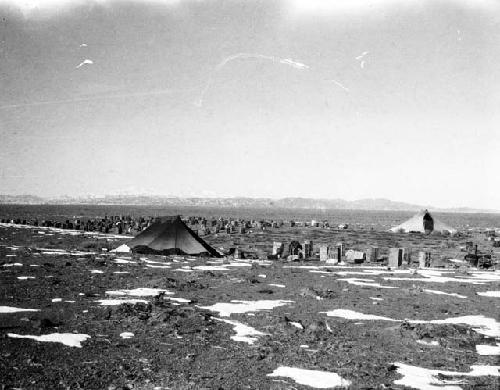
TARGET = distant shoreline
x,y
245,206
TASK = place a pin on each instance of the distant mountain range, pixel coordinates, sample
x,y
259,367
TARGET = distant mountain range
x,y
285,203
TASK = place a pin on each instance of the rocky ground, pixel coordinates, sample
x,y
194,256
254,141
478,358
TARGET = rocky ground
x,y
137,322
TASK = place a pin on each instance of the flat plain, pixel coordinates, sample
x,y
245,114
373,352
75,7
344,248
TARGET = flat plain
x,y
73,315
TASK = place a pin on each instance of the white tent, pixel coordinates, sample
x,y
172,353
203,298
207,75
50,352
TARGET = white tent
x,y
423,222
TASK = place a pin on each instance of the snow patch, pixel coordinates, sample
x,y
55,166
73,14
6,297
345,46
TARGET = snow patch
x,y
313,378
482,325
296,324
440,279
316,267
140,292
146,260
180,300
126,335
315,271
444,293
9,309
244,333
353,315
432,343
495,294
426,379
61,252
488,350
239,307
66,231
69,339
364,282
157,266
487,275
116,302
210,268
123,261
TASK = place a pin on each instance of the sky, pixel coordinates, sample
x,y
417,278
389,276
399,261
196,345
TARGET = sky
x,y
260,98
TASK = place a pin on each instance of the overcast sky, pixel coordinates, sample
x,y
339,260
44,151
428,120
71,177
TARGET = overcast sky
x,y
327,99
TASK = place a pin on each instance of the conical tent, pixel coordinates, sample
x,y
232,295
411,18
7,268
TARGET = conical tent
x,y
423,222
171,236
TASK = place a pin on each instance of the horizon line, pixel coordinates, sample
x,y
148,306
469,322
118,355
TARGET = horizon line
x,y
412,206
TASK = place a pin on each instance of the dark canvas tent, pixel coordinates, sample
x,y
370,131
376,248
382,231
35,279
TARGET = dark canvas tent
x,y
170,235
